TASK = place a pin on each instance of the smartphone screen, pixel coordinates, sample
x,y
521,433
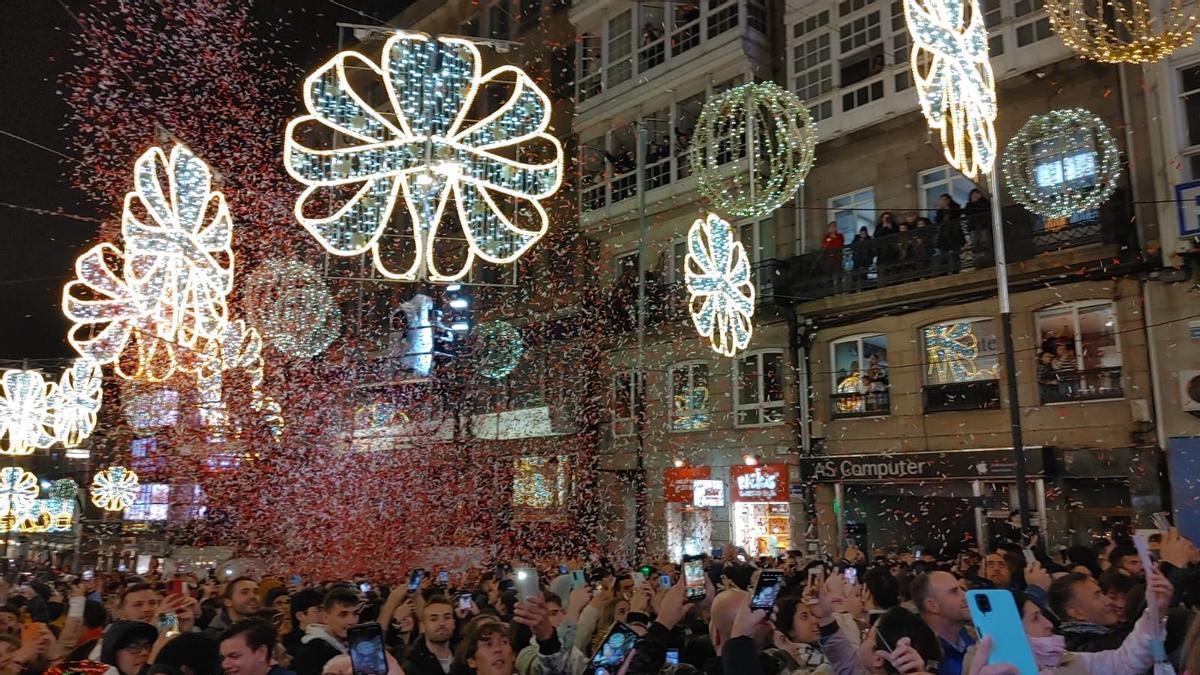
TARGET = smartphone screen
x,y
177,587
414,579
526,582
851,575
693,578
577,579
646,570
366,649
672,657
364,587
767,589
664,580
639,579
168,623
465,602
1160,520
89,574
443,578
615,649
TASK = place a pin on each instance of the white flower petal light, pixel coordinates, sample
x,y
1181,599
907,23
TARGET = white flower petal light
x,y
114,488
718,280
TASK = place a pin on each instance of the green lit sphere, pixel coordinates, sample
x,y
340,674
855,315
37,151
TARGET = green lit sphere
x,y
1062,163
774,124
497,348
291,307
63,488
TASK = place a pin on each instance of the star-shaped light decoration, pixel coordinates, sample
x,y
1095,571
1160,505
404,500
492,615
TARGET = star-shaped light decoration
x,y
717,273
18,491
167,289
954,79
26,420
481,182
114,488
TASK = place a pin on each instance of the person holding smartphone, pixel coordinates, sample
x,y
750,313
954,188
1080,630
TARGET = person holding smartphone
x,y
433,652
807,635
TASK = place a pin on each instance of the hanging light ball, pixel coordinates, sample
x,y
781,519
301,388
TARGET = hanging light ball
x,y
1123,31
766,123
1062,163
149,406
497,347
63,488
292,308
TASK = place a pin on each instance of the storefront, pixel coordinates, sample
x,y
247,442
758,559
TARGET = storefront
x,y
689,519
937,501
761,512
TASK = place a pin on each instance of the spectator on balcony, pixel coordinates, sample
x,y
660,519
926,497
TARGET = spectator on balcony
x,y
686,13
650,33
885,248
906,244
1067,372
622,161
877,383
1047,378
977,219
950,240
862,249
886,225
831,249
947,209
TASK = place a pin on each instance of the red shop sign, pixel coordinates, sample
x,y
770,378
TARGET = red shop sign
x,y
677,482
761,483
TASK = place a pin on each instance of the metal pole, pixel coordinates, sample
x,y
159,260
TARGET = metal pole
x,y
639,383
1010,362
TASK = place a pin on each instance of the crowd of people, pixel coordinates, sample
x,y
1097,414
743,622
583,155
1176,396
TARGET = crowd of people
x,y
1088,609
916,238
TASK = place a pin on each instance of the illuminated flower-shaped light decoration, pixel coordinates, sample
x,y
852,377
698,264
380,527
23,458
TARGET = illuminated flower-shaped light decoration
x,y
26,420
718,279
954,79
77,401
114,488
482,182
167,288
238,348
18,490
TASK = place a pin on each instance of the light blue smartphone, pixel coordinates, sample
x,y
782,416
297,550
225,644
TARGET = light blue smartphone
x,y
995,613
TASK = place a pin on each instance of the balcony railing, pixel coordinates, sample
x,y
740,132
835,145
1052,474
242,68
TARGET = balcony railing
x,y
976,395
865,404
1082,385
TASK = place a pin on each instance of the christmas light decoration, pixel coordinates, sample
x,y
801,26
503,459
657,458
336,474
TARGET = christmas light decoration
x,y
77,401
954,80
167,288
780,134
717,274
114,488
539,482
18,491
1123,31
465,178
290,306
951,350
26,421
64,488
497,348
1062,163
239,348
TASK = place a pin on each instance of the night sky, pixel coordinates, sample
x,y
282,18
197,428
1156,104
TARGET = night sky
x,y
38,250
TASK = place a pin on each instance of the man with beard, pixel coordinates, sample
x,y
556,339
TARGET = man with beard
x,y
241,602
432,653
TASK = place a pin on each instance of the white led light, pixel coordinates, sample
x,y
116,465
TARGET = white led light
x,y
424,152
114,488
718,280
460,325
954,80
458,303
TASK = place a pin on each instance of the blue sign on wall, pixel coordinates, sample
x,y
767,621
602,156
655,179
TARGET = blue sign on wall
x,y
1187,203
1183,462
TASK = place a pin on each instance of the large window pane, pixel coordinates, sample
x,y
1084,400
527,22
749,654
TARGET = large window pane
x,y
860,378
689,397
1079,357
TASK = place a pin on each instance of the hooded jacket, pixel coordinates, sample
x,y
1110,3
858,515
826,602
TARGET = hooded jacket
x,y
316,648
121,634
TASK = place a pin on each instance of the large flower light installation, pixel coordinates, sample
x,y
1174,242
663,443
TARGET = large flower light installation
x,y
717,275
37,413
780,135
954,79
457,179
18,491
1123,31
1062,163
291,307
167,288
114,488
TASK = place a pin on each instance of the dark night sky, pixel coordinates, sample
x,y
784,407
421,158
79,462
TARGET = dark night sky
x,y
37,252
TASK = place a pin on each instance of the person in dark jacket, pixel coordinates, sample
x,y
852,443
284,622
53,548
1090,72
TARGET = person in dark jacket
x,y
188,654
323,641
1088,621
432,652
248,648
126,646
977,218
950,232
307,608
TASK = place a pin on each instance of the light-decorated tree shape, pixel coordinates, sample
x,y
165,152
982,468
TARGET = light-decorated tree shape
x,y
955,84
114,488
717,273
26,420
481,181
77,401
167,289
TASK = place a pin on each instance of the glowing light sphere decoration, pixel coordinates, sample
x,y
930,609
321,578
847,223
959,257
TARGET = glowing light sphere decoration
x,y
717,276
114,488
954,79
482,181
1124,31
64,489
1062,163
37,413
781,137
497,347
289,304
135,307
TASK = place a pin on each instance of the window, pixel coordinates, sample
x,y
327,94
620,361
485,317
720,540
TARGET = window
x,y
900,45
687,112
1079,358
962,365
722,16
860,376
189,502
759,239
627,402
152,503
848,7
678,256
758,389
854,210
620,49
1064,163
498,21
689,397
860,32
627,265
937,182
813,67
1189,107
652,49
1030,33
